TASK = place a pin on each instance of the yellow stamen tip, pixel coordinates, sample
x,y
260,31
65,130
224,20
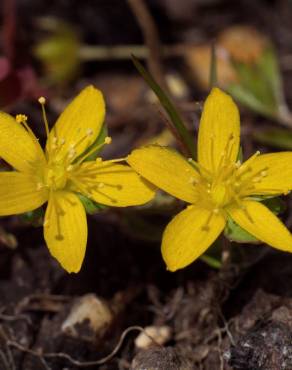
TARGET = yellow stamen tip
x,y
42,100
108,140
89,132
21,118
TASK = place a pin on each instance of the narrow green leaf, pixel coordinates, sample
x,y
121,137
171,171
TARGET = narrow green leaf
x,y
246,97
213,68
269,66
169,107
211,261
90,206
277,137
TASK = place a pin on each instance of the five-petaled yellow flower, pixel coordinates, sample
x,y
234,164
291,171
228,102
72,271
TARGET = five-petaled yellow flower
x,y
218,186
58,174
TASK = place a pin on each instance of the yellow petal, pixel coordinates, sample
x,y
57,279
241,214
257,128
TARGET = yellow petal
x,y
189,235
218,139
79,124
113,184
65,230
19,193
259,221
17,147
166,169
272,173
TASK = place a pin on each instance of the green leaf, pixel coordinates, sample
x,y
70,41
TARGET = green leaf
x,y
246,97
34,217
275,204
141,227
211,261
169,107
278,137
235,233
213,256
90,206
269,66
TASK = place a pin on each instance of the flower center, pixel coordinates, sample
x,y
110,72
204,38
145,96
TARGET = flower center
x,y
219,194
230,184
56,176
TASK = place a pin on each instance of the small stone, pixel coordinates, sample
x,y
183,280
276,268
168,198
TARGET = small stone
x,y
159,334
90,317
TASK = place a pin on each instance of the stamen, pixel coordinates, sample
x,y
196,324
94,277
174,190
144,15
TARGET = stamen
x,y
89,132
212,150
199,168
249,161
86,191
42,102
22,119
206,227
247,213
193,181
106,141
225,155
116,160
40,186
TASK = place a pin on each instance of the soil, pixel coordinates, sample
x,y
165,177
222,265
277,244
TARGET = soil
x,y
239,317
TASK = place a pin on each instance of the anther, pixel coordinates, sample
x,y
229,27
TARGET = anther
x,y
42,100
21,118
108,140
193,181
89,132
46,223
72,153
39,186
256,179
100,185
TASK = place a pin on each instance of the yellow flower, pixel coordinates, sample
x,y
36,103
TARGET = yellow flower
x,y
217,186
58,174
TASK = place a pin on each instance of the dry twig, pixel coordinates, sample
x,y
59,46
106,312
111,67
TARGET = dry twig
x,y
65,356
151,37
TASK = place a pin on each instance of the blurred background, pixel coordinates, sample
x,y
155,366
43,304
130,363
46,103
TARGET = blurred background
x,y
238,317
